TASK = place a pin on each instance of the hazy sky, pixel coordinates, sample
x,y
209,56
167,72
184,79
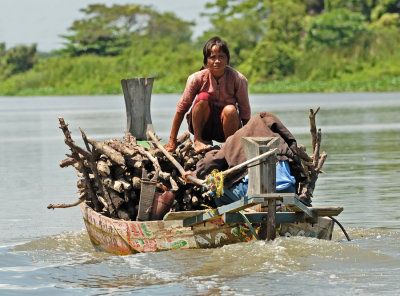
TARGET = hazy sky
x,y
42,21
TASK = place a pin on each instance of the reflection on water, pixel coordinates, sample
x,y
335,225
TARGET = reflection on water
x,y
45,252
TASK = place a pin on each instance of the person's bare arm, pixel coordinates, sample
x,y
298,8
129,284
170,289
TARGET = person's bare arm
x,y
176,124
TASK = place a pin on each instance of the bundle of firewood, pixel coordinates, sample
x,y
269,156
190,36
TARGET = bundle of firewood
x,y
111,174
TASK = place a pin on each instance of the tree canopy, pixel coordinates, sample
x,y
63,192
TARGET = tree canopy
x,y
16,60
106,31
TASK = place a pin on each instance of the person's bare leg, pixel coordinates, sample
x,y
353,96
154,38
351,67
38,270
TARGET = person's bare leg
x,y
200,114
230,120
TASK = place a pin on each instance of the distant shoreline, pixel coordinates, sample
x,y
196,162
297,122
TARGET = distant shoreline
x,y
385,84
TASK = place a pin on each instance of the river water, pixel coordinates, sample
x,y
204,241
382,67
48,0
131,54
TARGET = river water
x,y
48,252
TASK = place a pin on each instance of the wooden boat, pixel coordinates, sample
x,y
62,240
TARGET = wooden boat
x,y
208,228
184,230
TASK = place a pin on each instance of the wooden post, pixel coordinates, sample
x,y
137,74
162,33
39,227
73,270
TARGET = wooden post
x,y
262,178
137,94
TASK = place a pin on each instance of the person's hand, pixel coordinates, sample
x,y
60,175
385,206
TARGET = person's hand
x,y
187,174
171,145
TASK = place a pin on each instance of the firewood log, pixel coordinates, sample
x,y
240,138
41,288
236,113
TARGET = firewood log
x,y
121,147
103,202
301,152
75,153
316,148
183,137
116,199
195,200
111,153
164,176
136,183
123,214
313,129
98,180
174,185
321,161
103,168
129,139
117,172
67,162
125,184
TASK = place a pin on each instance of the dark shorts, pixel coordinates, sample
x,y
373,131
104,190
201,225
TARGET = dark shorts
x,y
213,128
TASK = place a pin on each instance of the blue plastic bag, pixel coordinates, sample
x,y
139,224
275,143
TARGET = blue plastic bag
x,y
284,184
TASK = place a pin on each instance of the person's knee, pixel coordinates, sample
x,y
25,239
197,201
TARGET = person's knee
x,y
203,96
230,111
201,106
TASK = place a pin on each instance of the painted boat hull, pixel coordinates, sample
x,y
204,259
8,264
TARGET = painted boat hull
x,y
129,237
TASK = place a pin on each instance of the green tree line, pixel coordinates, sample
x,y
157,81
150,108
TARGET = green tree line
x,y
280,45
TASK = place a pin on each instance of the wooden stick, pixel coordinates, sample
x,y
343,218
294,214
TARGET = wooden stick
x,y
248,162
316,148
67,162
182,138
75,153
302,153
149,156
80,200
111,153
100,185
119,146
129,139
51,206
225,173
321,162
313,129
70,143
173,160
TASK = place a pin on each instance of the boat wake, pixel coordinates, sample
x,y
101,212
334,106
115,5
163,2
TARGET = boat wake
x,y
73,247
71,261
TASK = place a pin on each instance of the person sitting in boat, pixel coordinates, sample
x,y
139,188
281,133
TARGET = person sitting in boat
x,y
221,103
288,169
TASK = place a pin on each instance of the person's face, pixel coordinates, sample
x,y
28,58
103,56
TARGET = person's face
x,y
217,61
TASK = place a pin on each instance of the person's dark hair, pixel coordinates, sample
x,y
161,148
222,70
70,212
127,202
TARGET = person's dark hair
x,y
210,43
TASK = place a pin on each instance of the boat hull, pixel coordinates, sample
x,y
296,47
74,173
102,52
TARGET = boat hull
x,y
128,237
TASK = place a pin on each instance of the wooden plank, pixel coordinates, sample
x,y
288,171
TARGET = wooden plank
x,y
273,195
209,215
296,205
147,190
271,224
327,211
262,217
293,200
262,177
182,215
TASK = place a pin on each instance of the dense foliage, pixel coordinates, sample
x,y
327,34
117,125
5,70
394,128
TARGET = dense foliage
x,y
16,60
280,45
108,31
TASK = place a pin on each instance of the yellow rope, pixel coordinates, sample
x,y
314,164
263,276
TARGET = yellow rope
x,y
216,179
210,209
